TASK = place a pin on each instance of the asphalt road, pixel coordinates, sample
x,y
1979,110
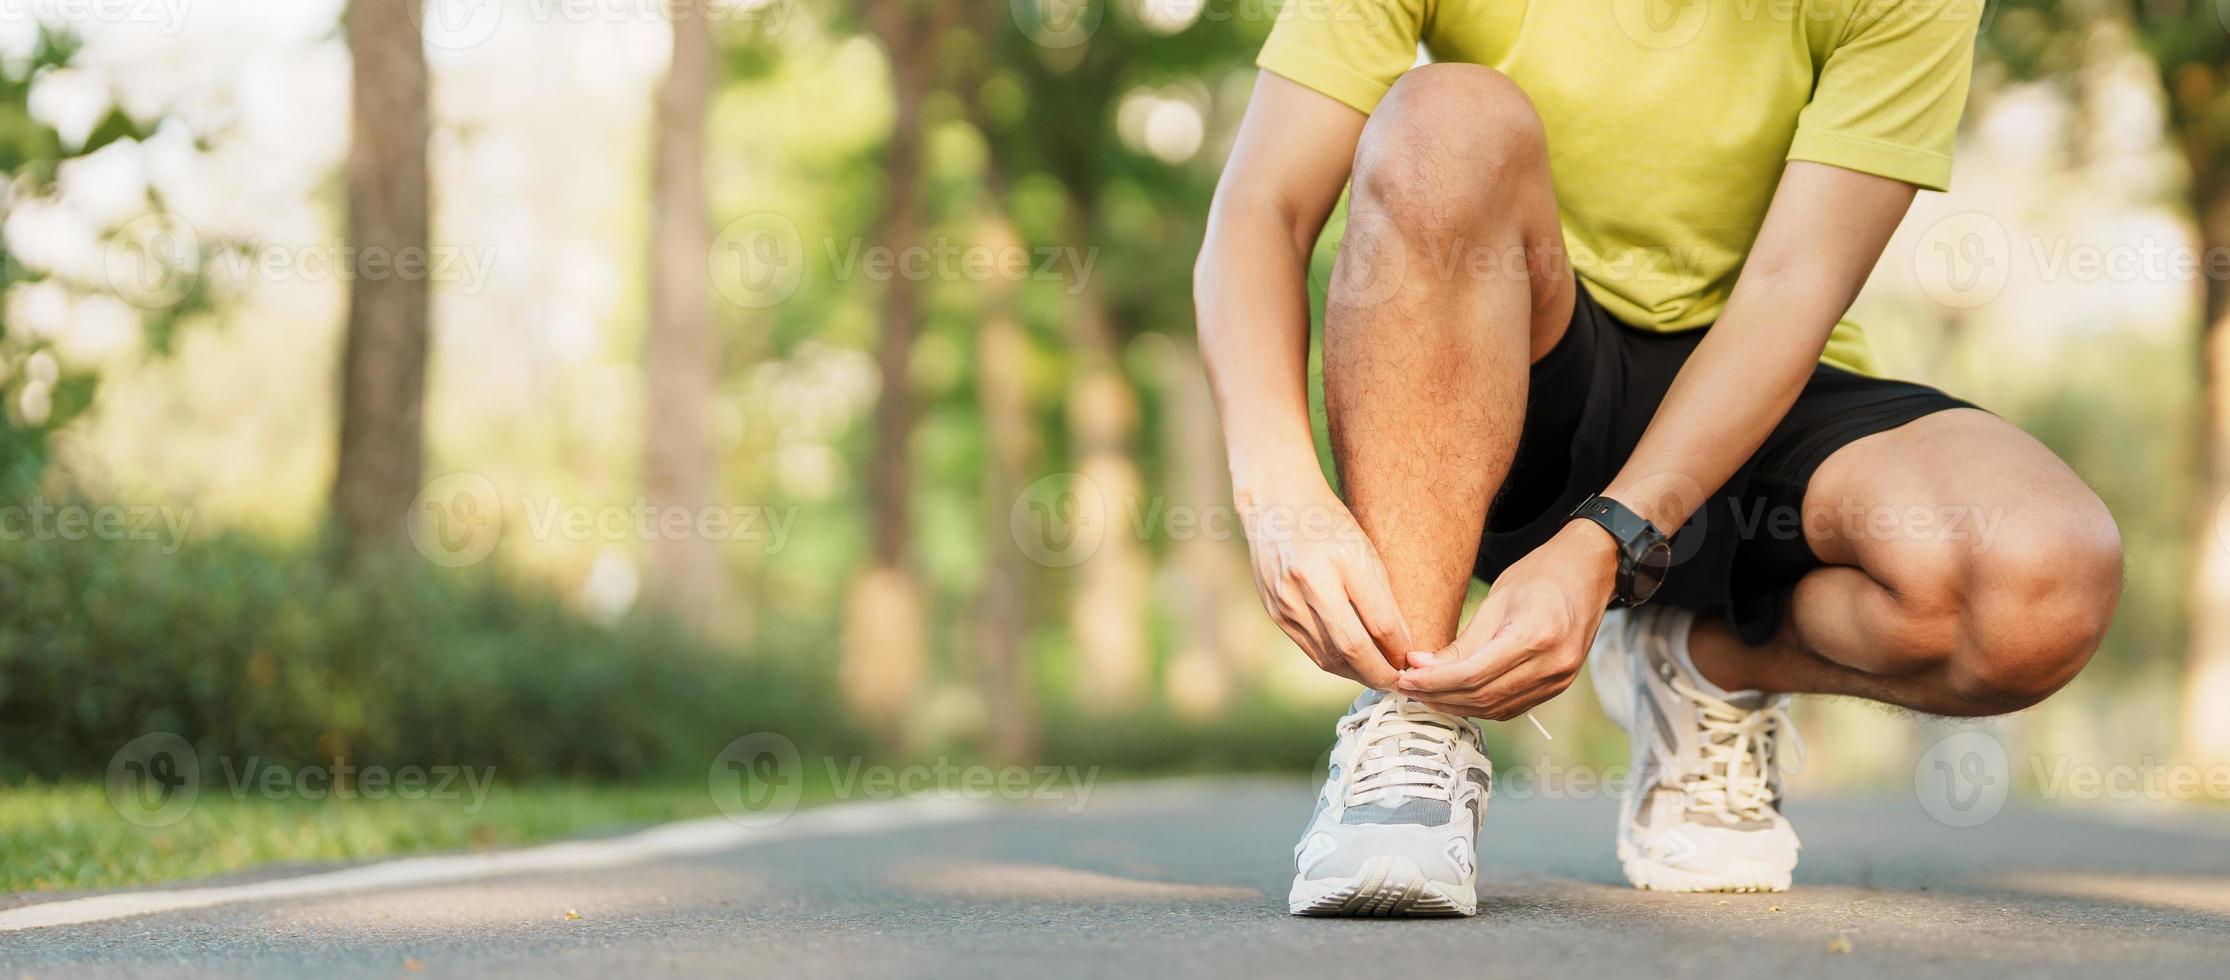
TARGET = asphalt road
x,y
1189,880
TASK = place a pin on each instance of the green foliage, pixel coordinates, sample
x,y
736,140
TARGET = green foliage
x,y
250,651
31,153
69,837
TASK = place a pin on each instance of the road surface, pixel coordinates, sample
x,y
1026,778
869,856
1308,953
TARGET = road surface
x,y
1188,879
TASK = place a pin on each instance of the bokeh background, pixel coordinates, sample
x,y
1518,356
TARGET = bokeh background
x,y
574,386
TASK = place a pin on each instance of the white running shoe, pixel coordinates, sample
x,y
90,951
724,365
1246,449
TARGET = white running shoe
x,y
1396,826
1702,806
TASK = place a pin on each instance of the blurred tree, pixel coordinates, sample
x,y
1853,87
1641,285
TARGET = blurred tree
x,y
383,361
884,653
681,351
2189,41
1009,422
1059,81
1211,612
149,263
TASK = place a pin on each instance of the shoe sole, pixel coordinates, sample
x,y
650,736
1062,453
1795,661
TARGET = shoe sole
x,y
1738,876
1387,887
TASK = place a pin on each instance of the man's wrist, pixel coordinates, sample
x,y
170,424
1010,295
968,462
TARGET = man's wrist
x,y
1598,548
1258,478
1665,502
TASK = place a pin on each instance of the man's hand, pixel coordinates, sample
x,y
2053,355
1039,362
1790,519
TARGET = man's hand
x,y
1528,639
1322,582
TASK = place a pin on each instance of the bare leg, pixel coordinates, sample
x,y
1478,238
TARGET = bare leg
x,y
1970,573
1450,281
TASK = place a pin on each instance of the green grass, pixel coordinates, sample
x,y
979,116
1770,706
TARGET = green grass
x,y
67,837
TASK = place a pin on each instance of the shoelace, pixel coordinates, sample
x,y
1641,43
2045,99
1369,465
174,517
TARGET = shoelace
x,y
1387,771
1740,748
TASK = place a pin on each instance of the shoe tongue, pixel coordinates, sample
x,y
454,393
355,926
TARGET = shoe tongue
x,y
1747,700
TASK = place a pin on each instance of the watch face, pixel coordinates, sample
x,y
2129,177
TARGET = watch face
x,y
1650,568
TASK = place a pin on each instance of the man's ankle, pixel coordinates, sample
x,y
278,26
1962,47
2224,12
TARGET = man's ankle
x,y
1723,659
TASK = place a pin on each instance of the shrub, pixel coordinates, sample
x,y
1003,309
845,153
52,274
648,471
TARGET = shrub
x,y
254,650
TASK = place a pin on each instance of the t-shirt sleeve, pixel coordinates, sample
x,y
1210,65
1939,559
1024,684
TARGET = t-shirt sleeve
x,y
1351,50
1889,97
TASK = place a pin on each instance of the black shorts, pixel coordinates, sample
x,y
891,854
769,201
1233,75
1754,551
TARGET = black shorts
x,y
1591,397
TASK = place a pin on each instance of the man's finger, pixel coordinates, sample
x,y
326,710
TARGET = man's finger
x,y
1374,604
1539,676
1343,632
1476,656
1334,665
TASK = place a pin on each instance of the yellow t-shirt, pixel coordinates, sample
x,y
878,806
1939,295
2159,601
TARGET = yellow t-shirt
x,y
1669,120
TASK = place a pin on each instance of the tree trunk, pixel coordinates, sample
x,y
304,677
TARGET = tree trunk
x,y
1002,394
383,362
883,663
2206,716
1208,656
681,351
1108,617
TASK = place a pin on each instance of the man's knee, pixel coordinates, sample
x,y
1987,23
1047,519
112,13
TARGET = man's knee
x,y
2035,604
1447,143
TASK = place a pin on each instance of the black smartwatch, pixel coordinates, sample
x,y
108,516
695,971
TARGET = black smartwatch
x,y
1644,553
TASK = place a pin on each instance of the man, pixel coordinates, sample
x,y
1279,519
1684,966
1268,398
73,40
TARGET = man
x,y
1520,385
